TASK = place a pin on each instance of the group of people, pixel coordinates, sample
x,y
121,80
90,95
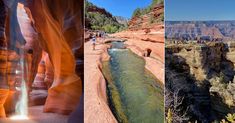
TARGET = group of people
x,y
95,36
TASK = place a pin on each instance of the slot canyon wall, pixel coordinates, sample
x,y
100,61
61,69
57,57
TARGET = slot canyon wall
x,y
200,81
54,27
60,32
3,59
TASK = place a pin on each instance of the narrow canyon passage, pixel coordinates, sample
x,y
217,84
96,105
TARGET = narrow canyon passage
x,y
32,91
135,95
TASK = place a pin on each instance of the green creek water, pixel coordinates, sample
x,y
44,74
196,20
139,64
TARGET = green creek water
x,y
135,95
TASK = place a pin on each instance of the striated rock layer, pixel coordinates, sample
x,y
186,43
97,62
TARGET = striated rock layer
x,y
200,30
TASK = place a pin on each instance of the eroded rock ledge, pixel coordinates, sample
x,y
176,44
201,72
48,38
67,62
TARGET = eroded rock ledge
x,y
200,80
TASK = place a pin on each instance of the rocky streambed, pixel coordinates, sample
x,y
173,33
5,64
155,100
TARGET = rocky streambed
x,y
134,94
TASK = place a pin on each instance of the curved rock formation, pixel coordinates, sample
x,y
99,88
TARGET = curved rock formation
x,y
32,47
49,73
54,26
59,31
39,82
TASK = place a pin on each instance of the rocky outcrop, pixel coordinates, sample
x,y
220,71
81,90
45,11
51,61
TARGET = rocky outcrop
x,y
148,20
93,8
201,74
145,34
122,20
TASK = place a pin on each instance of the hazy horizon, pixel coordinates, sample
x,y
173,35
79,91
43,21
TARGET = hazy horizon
x,y
199,10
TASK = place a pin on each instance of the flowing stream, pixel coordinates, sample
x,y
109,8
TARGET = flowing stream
x,y
135,95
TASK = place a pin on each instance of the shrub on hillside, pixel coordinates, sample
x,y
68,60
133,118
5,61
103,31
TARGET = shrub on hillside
x,y
141,11
101,21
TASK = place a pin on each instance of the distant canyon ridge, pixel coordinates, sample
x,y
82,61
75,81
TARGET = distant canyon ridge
x,y
200,30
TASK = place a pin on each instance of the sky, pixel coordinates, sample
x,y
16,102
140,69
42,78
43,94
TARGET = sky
x,y
195,10
123,8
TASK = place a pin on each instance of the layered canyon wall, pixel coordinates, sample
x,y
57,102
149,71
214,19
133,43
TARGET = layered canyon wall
x,y
200,81
200,30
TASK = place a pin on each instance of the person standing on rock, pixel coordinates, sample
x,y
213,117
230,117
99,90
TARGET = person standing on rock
x,y
93,41
103,36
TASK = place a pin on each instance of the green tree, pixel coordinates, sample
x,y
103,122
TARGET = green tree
x,y
110,28
100,21
154,2
137,12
